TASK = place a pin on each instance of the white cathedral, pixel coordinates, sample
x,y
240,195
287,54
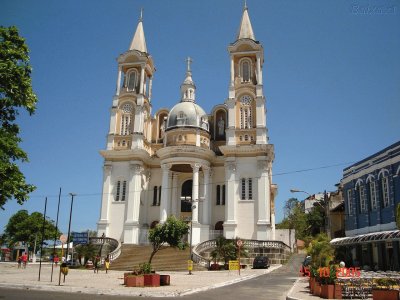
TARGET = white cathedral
x,y
213,169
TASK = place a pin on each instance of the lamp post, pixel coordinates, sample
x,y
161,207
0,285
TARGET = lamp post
x,y
193,206
69,227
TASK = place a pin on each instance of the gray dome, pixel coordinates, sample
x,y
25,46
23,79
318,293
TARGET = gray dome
x,y
187,114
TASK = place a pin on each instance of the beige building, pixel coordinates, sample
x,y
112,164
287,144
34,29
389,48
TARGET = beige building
x,y
213,168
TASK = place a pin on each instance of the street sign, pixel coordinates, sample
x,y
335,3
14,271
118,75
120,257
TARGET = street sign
x,y
80,237
239,243
63,238
233,265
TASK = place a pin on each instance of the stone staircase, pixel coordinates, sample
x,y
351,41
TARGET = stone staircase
x,y
168,259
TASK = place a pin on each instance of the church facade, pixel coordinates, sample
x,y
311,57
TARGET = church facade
x,y
213,169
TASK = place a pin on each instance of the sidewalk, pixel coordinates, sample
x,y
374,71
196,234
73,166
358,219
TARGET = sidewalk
x,y
86,281
300,290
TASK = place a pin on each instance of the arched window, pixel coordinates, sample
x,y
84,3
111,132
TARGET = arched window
x,y
385,191
245,70
362,198
126,119
132,80
120,194
372,195
245,112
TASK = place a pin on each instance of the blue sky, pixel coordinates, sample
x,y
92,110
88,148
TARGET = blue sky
x,y
331,79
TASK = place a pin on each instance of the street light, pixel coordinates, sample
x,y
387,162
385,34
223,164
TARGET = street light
x,y
299,191
69,227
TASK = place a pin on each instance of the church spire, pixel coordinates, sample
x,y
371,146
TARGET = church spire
x,y
245,29
188,88
139,41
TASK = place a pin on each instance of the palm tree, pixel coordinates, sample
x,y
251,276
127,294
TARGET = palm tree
x,y
224,249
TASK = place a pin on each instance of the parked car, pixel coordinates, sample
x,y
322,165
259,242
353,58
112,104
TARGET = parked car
x,y
261,262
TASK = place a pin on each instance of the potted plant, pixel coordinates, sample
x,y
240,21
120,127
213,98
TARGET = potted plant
x,y
313,275
150,279
384,289
133,280
317,285
328,282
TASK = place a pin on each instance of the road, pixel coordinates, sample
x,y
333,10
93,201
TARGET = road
x,y
272,286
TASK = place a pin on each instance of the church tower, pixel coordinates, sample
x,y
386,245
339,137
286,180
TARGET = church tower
x,y
247,145
129,133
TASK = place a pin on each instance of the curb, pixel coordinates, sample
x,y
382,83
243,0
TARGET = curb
x,y
288,295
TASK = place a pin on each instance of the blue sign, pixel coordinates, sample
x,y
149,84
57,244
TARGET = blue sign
x,y
80,237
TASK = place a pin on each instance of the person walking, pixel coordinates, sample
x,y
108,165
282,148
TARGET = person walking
x,y
19,260
107,263
24,260
96,264
56,259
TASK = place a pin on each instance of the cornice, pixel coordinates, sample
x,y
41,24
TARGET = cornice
x,y
125,155
185,151
251,150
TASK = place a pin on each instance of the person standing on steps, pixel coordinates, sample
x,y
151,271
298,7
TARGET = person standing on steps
x,y
107,263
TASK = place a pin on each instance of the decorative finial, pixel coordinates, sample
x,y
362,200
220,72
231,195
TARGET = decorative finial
x,y
245,4
189,61
141,15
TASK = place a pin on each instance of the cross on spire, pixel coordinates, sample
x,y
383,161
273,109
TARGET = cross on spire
x,y
245,4
141,15
189,61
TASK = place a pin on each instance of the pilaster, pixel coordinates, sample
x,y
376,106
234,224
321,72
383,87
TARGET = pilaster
x,y
231,199
164,192
195,192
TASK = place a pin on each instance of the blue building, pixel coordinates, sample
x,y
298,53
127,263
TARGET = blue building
x,y
371,190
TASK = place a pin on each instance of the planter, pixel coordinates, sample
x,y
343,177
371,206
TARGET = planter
x,y
385,294
327,291
338,291
164,280
317,289
312,284
152,280
126,275
214,267
134,281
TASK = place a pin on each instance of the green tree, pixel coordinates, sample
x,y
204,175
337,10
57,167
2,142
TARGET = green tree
x,y
321,251
26,228
171,232
86,251
224,250
15,94
295,218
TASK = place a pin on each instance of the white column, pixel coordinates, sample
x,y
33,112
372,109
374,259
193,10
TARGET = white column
x,y
232,71
195,193
118,89
230,204
134,191
259,71
150,87
105,201
164,193
175,199
131,226
207,200
263,199
141,80
231,198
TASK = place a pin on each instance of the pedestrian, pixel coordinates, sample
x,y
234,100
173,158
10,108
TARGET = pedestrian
x,y
19,260
24,260
107,263
96,264
56,259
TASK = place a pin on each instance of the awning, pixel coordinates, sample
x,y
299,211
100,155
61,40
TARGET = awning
x,y
381,236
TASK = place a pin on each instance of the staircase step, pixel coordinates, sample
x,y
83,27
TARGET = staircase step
x,y
167,259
